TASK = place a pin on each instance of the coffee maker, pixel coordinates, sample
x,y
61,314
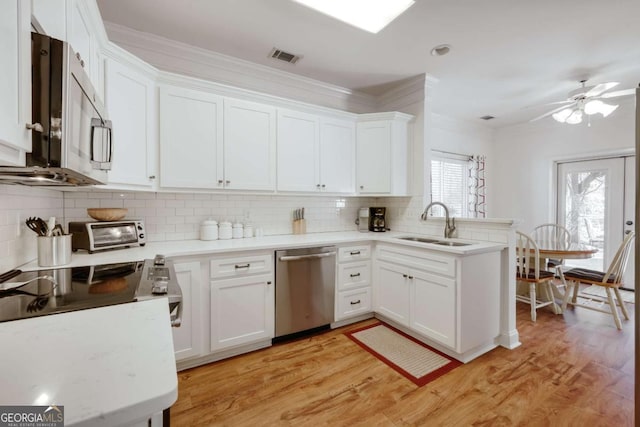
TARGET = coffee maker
x,y
377,219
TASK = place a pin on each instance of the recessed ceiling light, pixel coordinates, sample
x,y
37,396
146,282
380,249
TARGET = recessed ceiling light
x,y
368,15
441,50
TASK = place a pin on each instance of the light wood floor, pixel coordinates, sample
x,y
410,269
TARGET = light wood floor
x,y
574,369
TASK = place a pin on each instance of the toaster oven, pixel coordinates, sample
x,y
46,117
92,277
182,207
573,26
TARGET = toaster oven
x,y
103,235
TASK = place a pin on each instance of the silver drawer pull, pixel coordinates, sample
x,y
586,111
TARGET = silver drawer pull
x,y
355,275
354,252
243,266
354,302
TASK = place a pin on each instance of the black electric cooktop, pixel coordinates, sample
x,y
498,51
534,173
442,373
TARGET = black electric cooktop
x,y
68,289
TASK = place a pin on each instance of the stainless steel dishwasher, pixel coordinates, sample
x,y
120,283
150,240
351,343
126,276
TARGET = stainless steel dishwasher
x,y
305,289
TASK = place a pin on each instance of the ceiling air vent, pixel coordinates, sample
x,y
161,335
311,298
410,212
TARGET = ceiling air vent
x,y
487,117
284,56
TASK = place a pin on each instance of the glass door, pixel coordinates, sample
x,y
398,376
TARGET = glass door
x,y
595,202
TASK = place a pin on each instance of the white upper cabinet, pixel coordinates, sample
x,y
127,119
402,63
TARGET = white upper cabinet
x,y
80,35
298,151
190,139
249,146
337,156
315,153
50,17
15,82
130,98
383,150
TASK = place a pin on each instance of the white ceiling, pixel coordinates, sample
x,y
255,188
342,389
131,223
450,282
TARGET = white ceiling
x,y
508,58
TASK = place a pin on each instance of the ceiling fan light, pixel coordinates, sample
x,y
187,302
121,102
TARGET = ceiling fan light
x,y
562,115
593,107
575,117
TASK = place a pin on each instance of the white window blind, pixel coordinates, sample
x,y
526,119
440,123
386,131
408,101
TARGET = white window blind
x,y
450,184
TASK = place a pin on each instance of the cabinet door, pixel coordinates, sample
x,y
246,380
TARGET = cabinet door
x,y
242,311
15,82
392,292
51,17
80,37
337,156
188,339
353,303
249,146
373,153
433,307
190,138
298,139
130,101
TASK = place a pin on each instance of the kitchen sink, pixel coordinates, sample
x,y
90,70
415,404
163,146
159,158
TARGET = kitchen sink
x,y
419,239
443,243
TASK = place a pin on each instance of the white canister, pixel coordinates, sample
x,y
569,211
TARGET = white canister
x,y
238,232
209,230
248,230
224,232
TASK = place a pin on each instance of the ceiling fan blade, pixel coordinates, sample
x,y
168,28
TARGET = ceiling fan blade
x,y
601,88
548,113
618,93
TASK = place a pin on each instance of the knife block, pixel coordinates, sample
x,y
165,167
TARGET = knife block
x,y
299,226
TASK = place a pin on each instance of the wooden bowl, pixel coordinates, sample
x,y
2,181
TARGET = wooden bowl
x,y
107,214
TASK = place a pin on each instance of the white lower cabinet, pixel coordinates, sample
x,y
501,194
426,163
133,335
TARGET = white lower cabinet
x,y
451,299
392,292
353,288
354,302
242,311
188,339
242,299
433,306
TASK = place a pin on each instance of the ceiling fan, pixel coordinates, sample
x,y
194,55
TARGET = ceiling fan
x,y
585,100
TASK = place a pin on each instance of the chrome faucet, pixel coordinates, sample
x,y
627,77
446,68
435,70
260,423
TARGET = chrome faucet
x,y
450,226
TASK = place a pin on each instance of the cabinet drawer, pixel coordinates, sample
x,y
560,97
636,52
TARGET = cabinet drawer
x,y
427,260
353,302
354,253
241,266
354,275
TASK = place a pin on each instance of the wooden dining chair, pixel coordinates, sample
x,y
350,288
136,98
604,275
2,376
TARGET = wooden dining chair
x,y
553,236
528,271
611,280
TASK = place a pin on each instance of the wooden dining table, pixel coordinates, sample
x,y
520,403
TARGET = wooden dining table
x,y
574,251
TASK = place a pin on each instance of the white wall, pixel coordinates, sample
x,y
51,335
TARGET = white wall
x,y
523,160
177,216
17,203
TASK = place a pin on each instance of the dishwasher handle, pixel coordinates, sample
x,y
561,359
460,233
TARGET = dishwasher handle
x,y
312,256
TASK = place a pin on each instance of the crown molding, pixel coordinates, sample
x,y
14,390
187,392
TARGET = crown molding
x,y
180,58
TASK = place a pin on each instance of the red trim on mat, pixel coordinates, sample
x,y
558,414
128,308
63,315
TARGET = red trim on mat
x,y
453,363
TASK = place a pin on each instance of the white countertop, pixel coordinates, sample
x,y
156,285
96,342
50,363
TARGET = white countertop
x,y
106,366
199,247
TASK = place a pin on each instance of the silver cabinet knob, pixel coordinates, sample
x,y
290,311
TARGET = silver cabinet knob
x,y
152,177
323,186
220,182
317,185
227,182
362,187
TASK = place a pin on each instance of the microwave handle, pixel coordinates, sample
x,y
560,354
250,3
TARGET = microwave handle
x,y
101,124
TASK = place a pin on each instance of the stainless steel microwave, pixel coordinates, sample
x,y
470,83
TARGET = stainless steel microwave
x,y
98,236
71,134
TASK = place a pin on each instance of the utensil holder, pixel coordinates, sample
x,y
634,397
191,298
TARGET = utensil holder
x,y
54,251
299,226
